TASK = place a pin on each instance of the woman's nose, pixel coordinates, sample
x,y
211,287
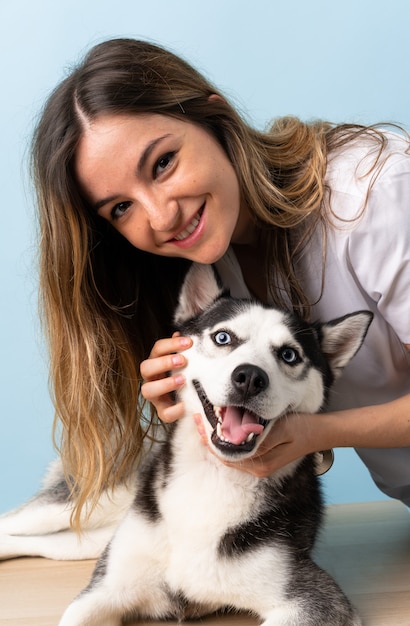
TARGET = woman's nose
x,y
162,212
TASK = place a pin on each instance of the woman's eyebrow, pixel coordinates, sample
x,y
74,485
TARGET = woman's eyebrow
x,y
140,166
147,151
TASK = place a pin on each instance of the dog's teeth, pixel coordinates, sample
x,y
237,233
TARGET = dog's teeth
x,y
218,412
219,433
250,437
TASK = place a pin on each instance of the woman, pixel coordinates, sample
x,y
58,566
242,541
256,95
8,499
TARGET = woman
x,y
141,167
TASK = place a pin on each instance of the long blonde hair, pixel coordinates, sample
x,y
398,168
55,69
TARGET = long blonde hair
x,y
104,302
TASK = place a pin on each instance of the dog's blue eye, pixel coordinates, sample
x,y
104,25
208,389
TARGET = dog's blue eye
x,y
290,356
222,338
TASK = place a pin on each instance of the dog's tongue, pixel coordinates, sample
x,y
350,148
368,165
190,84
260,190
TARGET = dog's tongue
x,y
237,425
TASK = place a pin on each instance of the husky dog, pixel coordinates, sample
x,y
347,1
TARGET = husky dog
x,y
200,535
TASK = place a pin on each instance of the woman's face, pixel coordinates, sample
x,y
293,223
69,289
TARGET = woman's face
x,y
166,185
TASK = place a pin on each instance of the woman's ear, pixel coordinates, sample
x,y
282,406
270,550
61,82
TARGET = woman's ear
x,y
215,97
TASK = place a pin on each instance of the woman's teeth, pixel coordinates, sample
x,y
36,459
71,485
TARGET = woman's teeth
x,y
189,229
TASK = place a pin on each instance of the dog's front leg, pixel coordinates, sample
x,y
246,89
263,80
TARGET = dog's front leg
x,y
92,609
311,598
128,579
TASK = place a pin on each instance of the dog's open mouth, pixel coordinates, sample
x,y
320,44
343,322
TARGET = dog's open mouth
x,y
236,428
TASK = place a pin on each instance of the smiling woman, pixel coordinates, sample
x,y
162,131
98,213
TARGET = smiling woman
x,y
145,175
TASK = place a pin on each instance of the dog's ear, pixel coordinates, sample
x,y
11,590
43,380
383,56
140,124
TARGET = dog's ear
x,y
341,338
199,290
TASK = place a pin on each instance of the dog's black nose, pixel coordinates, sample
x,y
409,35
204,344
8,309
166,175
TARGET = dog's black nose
x,y
249,379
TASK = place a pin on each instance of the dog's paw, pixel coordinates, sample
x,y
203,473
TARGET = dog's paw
x,y
85,611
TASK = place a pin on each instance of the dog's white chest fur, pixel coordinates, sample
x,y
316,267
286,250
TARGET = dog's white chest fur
x,y
211,499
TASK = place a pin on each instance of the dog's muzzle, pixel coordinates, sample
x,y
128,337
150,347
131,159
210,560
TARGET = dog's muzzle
x,y
235,428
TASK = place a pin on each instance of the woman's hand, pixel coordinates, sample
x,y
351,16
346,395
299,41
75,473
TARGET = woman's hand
x,y
286,442
294,435
159,386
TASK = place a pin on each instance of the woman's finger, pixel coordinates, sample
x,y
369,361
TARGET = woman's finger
x,y
153,390
171,413
168,345
158,367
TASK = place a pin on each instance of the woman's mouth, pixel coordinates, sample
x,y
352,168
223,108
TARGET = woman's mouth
x,y
189,229
191,232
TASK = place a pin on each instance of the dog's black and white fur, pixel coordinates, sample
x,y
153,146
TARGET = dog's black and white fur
x,y
200,535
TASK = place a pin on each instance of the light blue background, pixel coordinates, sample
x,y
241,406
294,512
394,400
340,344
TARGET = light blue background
x,y
344,61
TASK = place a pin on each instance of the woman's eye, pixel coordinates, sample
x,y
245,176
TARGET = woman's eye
x,y
222,338
119,210
163,163
290,356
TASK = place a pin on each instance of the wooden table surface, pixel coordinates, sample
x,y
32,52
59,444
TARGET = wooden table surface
x,y
365,547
